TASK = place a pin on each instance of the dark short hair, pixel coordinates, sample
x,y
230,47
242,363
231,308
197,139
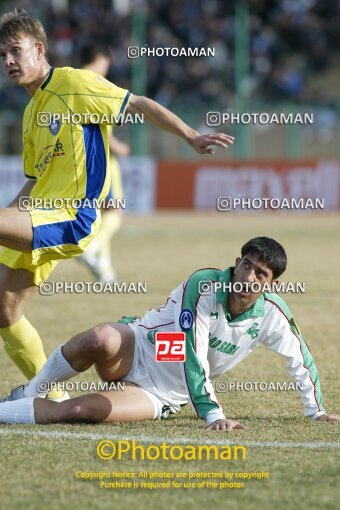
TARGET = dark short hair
x,y
18,22
89,52
269,251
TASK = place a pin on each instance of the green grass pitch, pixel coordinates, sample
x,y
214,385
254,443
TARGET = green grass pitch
x,y
38,472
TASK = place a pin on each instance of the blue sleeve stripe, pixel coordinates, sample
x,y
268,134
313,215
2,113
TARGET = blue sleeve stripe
x,y
122,108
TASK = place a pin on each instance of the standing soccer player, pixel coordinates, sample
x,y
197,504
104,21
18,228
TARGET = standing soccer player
x,y
97,258
62,160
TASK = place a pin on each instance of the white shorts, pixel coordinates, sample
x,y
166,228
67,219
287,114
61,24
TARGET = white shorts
x,y
160,383
161,411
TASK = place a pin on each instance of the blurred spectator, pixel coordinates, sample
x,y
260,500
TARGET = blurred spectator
x,y
290,41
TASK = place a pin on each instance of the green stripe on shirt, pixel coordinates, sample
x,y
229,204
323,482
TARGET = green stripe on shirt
x,y
194,372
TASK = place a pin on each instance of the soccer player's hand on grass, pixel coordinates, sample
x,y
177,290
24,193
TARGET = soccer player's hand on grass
x,y
328,417
225,425
202,143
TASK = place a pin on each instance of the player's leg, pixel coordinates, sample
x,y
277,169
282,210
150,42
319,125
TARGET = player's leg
x,y
22,341
130,404
16,230
108,346
97,258
111,223
98,255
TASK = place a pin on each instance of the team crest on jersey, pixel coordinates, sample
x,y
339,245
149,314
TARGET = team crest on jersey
x,y
104,81
151,336
54,126
253,331
186,319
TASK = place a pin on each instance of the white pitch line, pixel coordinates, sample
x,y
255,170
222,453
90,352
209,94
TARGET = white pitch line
x,y
59,434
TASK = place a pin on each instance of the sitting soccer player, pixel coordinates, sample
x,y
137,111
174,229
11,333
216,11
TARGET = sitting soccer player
x,y
221,329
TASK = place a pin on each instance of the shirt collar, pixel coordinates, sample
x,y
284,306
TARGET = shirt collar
x,y
47,79
41,87
256,310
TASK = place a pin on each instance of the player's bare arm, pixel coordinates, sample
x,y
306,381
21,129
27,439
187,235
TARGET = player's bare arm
x,y
168,121
118,148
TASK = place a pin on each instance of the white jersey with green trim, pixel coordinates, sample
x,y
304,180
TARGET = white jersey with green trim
x,y
216,344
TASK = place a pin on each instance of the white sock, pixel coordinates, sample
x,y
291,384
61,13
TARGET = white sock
x,y
56,369
17,411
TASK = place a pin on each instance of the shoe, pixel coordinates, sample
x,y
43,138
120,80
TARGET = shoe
x,y
106,272
108,277
15,394
19,392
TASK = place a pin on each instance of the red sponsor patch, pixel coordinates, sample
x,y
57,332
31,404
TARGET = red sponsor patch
x,y
170,346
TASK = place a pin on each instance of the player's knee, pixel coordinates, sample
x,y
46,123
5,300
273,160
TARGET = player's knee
x,y
71,410
74,412
79,412
101,339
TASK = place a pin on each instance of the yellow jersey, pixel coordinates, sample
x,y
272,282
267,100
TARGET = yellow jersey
x,y
65,134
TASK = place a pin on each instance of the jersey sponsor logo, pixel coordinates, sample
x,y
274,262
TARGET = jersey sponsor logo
x,y
170,346
254,330
220,346
186,319
54,126
52,151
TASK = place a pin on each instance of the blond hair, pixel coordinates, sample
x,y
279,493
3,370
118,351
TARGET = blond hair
x,y
18,22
